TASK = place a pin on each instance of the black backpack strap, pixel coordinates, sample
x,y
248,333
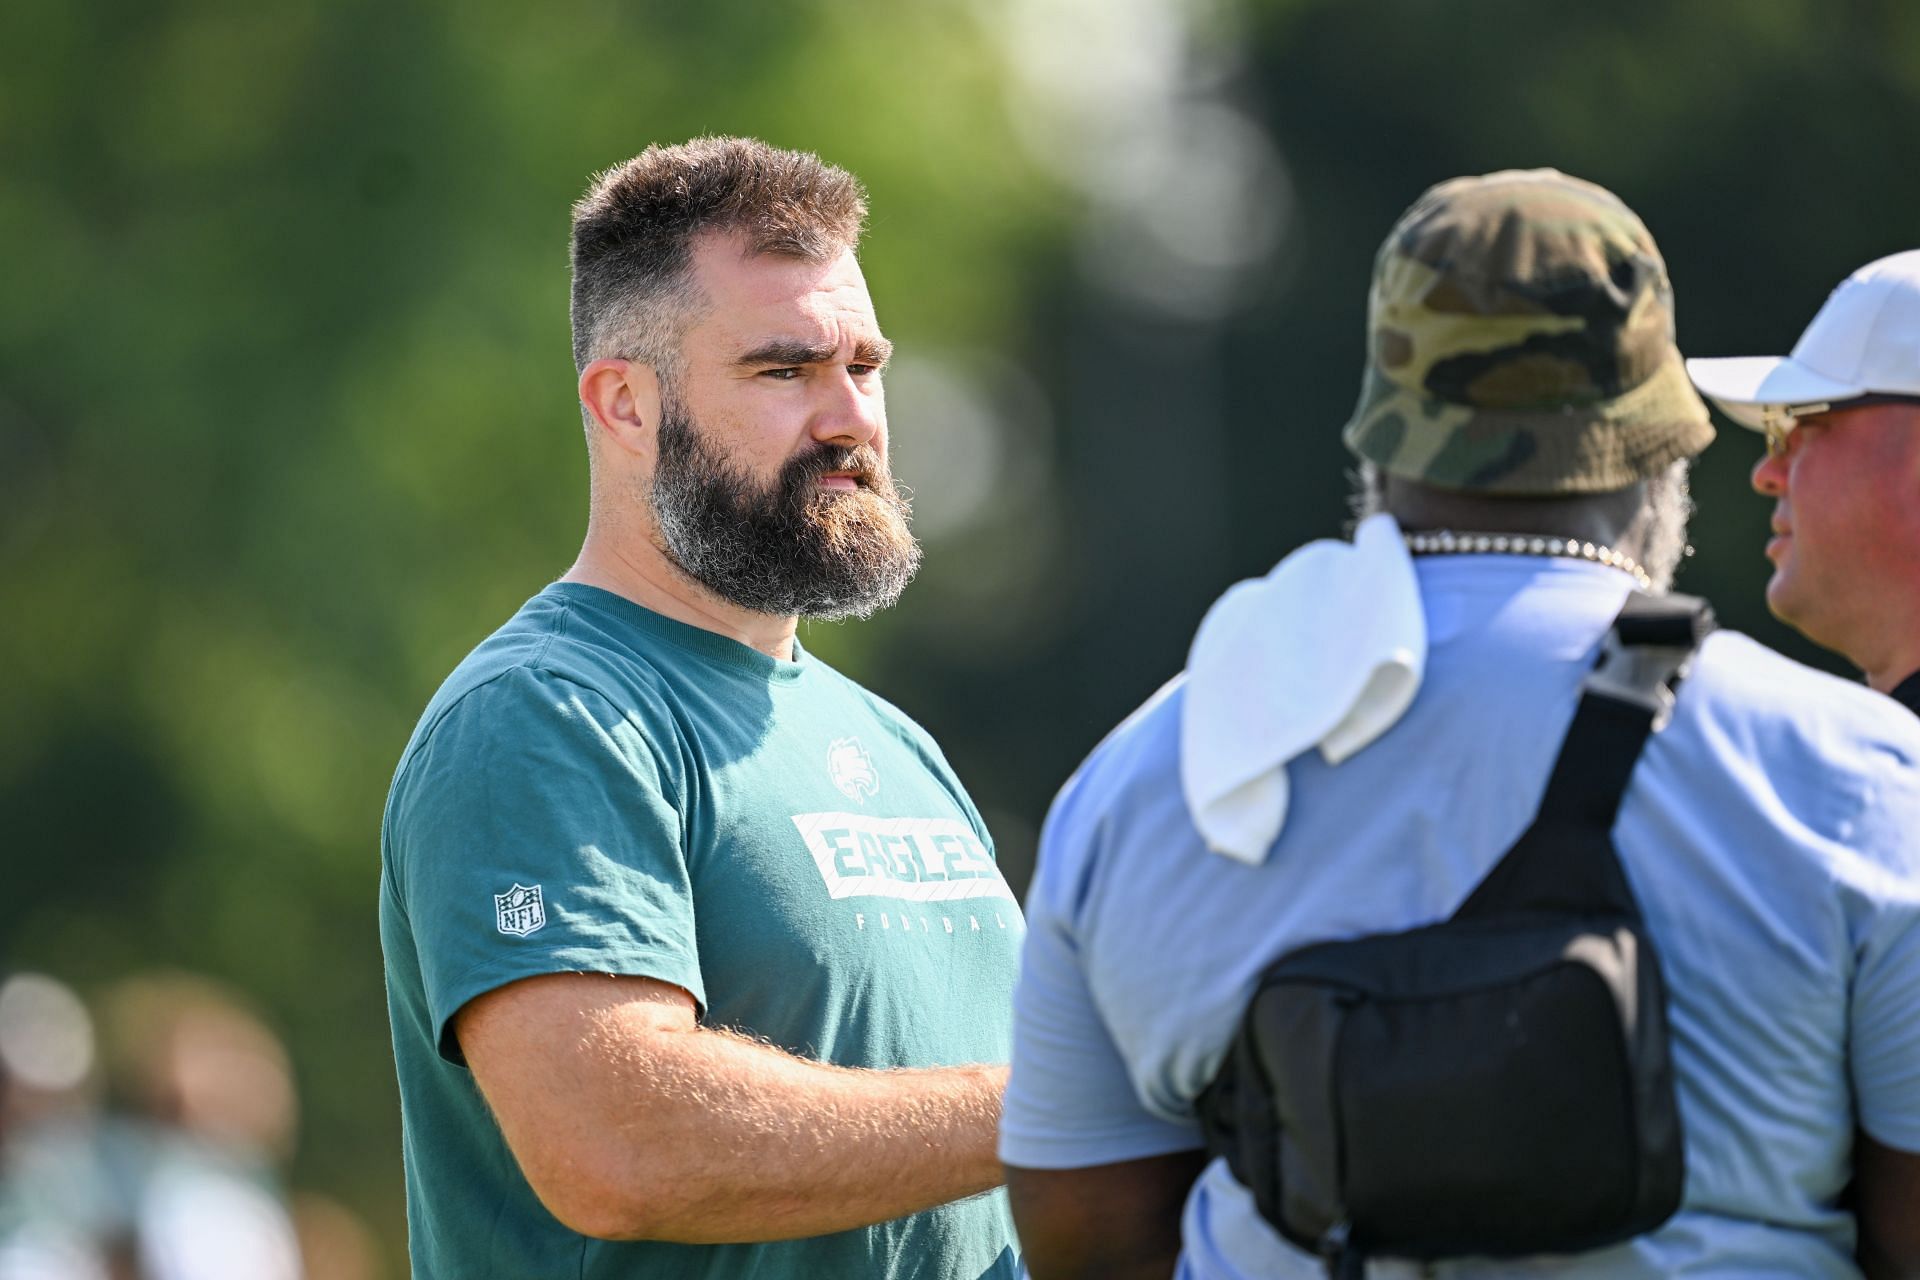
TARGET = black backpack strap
x,y
1565,861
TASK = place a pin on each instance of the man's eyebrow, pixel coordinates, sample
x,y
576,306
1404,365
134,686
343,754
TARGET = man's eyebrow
x,y
778,352
781,351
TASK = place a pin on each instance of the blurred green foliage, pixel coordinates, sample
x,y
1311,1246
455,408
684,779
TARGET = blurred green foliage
x,y
287,422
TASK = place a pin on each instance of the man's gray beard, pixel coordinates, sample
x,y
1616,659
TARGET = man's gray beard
x,y
791,548
1663,537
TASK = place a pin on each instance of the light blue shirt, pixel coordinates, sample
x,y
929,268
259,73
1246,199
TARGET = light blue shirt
x,y
1771,833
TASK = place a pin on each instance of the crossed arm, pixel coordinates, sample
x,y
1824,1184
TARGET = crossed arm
x,y
631,1121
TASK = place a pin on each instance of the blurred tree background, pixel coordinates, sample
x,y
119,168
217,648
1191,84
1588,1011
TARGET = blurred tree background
x,y
286,406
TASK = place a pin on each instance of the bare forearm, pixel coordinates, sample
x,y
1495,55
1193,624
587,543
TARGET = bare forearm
x,y
1105,1222
702,1136
773,1147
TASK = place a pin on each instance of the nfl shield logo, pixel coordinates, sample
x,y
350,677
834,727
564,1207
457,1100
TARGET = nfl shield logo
x,y
520,910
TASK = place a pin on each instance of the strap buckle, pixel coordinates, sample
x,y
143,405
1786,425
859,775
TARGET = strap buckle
x,y
1648,651
1642,677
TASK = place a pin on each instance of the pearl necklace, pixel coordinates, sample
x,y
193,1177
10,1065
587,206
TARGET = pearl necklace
x,y
1448,543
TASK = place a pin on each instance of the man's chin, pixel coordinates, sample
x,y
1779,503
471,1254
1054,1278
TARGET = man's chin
x,y
1780,596
1787,602
872,577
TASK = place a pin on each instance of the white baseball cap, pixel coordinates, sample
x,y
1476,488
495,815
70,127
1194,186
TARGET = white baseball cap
x,y
1864,342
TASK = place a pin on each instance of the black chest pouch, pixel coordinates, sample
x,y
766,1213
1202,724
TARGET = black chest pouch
x,y
1499,1083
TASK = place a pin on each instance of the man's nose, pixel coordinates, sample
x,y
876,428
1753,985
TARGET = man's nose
x,y
1769,475
850,413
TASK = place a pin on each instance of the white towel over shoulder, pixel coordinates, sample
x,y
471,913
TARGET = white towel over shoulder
x,y
1327,650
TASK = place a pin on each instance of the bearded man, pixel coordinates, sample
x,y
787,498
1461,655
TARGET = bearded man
x,y
698,956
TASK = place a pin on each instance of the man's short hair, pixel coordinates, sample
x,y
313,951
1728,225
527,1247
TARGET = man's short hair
x,y
633,234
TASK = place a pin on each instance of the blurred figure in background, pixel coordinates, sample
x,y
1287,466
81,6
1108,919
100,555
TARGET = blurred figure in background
x,y
214,1089
63,1215
178,1181
1842,421
335,1243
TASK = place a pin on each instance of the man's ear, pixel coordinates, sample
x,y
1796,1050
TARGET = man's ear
x,y
624,398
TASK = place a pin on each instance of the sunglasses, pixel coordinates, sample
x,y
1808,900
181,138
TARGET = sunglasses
x,y
1779,420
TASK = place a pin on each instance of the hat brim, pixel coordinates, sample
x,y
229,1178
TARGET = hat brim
x,y
1594,448
1745,387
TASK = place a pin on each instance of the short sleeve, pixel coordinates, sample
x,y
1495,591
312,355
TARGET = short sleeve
x,y
533,831
1070,1103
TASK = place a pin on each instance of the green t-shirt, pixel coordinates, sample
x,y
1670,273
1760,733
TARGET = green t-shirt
x,y
598,788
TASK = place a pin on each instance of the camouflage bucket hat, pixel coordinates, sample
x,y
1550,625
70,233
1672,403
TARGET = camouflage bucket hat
x,y
1521,342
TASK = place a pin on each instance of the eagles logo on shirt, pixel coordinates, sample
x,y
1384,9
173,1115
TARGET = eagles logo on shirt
x,y
852,769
